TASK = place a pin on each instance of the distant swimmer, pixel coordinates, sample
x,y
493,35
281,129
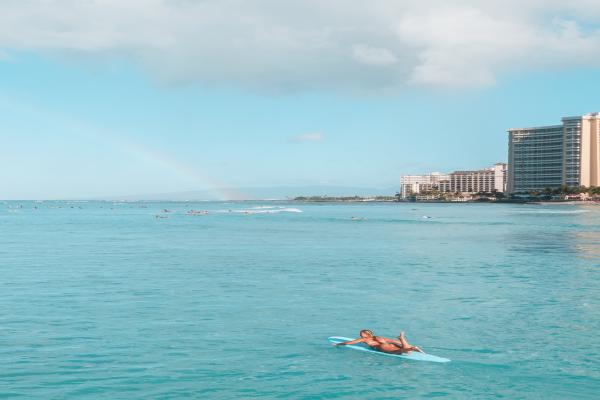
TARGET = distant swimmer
x,y
383,344
426,216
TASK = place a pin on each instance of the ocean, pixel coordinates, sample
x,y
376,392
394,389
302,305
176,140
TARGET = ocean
x,y
102,300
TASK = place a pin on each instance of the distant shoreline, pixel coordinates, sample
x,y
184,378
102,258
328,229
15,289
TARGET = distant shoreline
x,y
302,199
393,200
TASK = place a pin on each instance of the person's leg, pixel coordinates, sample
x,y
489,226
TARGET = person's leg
x,y
405,350
407,346
416,348
403,341
394,349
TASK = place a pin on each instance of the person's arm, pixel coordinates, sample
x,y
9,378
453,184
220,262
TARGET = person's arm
x,y
350,342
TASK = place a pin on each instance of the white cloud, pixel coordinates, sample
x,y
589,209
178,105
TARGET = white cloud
x,y
373,56
278,45
308,137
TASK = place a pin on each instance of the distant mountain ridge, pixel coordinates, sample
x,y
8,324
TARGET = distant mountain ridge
x,y
261,193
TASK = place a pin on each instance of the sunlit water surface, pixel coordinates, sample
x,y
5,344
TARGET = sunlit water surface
x,y
103,300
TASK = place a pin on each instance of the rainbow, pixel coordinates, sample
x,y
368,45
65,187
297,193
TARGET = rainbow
x,y
217,189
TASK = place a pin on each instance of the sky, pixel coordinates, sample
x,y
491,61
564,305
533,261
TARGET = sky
x,y
102,98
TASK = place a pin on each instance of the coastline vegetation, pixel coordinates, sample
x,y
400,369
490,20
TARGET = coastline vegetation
x,y
566,190
564,193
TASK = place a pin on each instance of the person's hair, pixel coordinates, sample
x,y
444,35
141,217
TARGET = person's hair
x,y
367,332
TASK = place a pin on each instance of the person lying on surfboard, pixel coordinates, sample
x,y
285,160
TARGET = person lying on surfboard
x,y
382,344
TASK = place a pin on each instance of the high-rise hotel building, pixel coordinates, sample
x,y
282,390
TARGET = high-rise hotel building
x,y
553,156
487,180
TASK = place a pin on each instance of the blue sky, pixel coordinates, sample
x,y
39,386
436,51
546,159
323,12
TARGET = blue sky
x,y
81,122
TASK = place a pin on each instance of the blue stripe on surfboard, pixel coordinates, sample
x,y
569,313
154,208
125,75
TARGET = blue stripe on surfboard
x,y
414,355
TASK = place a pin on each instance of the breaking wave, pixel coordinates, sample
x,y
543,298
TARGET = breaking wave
x,y
263,210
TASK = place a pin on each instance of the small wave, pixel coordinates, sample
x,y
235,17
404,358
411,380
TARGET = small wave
x,y
262,211
294,210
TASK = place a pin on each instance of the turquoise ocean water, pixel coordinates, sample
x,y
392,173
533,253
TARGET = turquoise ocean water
x,y
104,300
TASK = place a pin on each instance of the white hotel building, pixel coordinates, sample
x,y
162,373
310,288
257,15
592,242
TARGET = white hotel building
x,y
417,184
488,180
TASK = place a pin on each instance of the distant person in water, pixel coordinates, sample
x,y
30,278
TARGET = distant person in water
x,y
382,344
